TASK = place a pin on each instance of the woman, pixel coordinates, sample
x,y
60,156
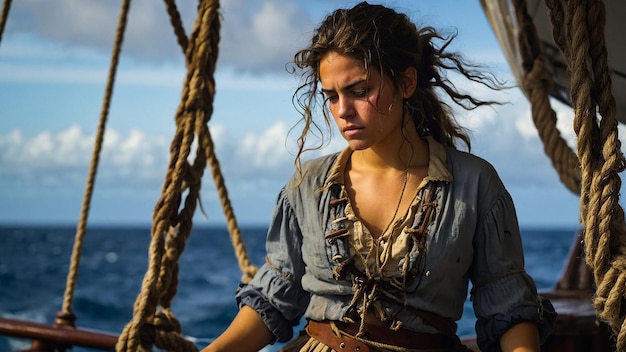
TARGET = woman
x,y
376,245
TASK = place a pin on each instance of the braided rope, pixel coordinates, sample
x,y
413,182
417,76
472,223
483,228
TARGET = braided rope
x,y
578,31
603,218
4,17
171,228
245,265
82,224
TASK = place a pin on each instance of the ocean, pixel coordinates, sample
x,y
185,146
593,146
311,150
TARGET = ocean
x,y
34,262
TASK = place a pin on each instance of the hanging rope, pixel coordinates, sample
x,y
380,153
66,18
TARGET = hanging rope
x,y
247,268
171,228
578,30
245,265
6,7
177,25
537,83
600,156
65,316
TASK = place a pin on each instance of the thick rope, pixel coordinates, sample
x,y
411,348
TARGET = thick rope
x,y
6,7
170,227
66,312
177,25
602,218
578,30
537,82
245,265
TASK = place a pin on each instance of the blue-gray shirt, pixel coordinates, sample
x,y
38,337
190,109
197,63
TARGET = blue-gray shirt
x,y
473,236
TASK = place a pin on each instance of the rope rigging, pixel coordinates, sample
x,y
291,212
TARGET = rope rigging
x,y
65,316
171,227
172,221
537,83
592,173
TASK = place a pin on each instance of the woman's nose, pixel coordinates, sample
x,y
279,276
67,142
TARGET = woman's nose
x,y
345,108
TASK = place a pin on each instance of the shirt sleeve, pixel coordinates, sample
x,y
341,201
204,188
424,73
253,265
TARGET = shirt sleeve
x,y
503,293
275,291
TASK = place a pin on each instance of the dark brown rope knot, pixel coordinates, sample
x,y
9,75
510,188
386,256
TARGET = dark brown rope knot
x,y
335,202
332,236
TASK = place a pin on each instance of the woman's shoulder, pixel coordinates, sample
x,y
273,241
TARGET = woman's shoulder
x,y
468,168
313,172
320,163
463,160
477,178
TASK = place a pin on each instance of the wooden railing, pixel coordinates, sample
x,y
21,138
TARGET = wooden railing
x,y
53,338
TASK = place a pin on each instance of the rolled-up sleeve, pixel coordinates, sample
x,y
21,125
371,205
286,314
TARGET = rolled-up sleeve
x,y
504,294
275,292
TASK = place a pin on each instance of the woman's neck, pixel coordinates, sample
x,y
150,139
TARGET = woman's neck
x,y
399,155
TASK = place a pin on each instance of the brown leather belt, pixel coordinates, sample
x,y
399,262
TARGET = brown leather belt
x,y
323,332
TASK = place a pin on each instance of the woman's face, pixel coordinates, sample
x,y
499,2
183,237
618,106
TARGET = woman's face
x,y
366,107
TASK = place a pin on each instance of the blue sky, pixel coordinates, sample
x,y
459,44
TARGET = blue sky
x,y
54,58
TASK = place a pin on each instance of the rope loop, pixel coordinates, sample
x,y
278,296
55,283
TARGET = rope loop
x,y
537,82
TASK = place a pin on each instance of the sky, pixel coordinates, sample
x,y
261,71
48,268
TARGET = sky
x,y
54,60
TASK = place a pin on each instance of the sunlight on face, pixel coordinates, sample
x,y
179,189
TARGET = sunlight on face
x,y
366,108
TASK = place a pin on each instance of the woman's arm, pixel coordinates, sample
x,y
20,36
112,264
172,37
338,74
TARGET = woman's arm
x,y
522,337
247,332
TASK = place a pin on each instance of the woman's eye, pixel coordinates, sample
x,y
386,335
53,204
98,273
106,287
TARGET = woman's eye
x,y
360,93
331,98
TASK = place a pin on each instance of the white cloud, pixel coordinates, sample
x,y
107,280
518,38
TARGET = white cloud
x,y
135,159
93,23
262,36
266,149
67,21
255,157
257,37
62,159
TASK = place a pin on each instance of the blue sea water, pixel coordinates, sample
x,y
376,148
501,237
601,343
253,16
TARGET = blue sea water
x,y
34,262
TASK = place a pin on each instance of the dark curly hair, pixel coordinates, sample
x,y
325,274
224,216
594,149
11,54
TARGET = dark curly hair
x,y
389,42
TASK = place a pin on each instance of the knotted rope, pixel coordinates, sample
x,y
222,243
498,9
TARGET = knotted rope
x,y
245,265
578,30
599,151
170,228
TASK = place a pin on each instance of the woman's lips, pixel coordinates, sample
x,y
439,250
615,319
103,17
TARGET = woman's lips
x,y
351,130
